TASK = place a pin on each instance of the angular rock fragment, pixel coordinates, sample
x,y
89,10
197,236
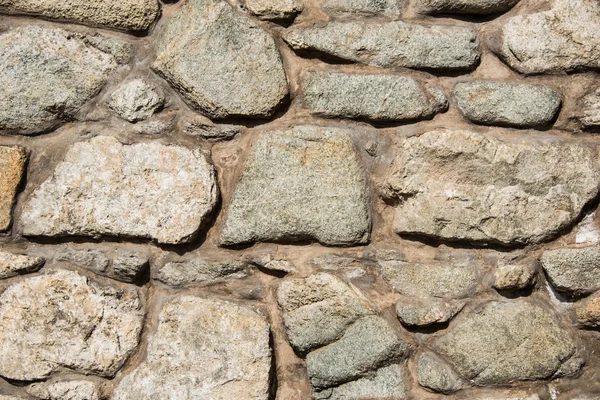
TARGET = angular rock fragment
x,y
565,38
367,345
476,7
203,127
515,276
435,374
391,44
136,100
461,185
178,273
89,259
575,271
63,320
16,264
203,349
378,97
317,309
65,390
300,184
274,10
47,75
391,8
157,125
507,341
416,312
12,169
508,104
590,108
221,62
129,15
588,312
103,187
127,267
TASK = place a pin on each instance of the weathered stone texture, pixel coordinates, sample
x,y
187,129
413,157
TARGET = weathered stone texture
x,y
378,97
508,104
178,273
477,7
590,109
515,276
12,169
226,65
417,312
303,183
575,271
392,8
435,374
203,348
66,390
47,75
64,320
144,190
128,267
16,264
391,44
200,126
461,185
89,259
274,10
588,312
136,100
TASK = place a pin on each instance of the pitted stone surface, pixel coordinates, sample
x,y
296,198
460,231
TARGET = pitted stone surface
x,y
590,108
563,39
391,44
317,309
144,190
507,341
12,169
63,320
508,104
515,275
136,100
47,75
391,8
299,184
16,264
221,62
477,7
66,390
203,349
575,271
588,312
435,374
378,97
274,10
461,185
427,312
177,273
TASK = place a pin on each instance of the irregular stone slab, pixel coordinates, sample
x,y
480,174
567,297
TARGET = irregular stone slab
x,y
136,100
391,8
67,390
515,276
129,15
274,10
203,127
435,279
93,260
575,271
128,267
145,190
178,273
221,62
563,39
367,345
64,320
508,104
588,312
386,383
157,125
461,185
590,108
476,7
416,312
378,97
317,309
391,44
299,184
16,264
12,169
507,341
435,374
203,349
47,75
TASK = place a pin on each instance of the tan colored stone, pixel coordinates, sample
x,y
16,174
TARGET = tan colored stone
x,y
588,312
65,390
12,169
15,264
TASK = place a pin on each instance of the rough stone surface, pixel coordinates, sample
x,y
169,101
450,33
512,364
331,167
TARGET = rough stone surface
x,y
204,128
435,374
67,390
47,75
515,276
379,97
63,320
317,309
127,267
16,264
590,109
392,8
508,104
136,100
434,279
506,341
385,383
416,312
203,349
563,39
303,183
477,7
178,273
144,190
130,15
89,259
588,312
159,124
391,44
274,10
225,66
12,169
575,271
461,185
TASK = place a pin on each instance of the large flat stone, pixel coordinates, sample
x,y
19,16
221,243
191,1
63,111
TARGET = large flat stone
x,y
47,75
130,15
64,320
462,185
103,187
203,349
12,169
477,7
563,39
221,62
379,97
299,184
390,44
575,271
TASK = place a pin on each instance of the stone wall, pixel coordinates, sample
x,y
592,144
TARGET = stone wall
x,y
263,199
